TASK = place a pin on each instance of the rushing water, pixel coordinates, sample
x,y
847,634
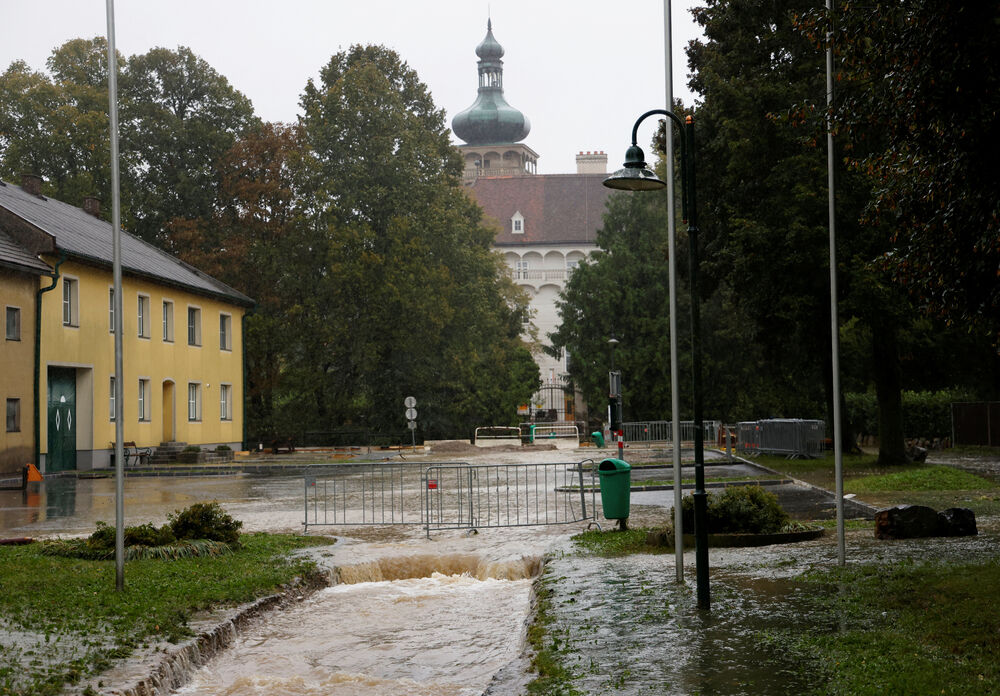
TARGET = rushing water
x,y
441,635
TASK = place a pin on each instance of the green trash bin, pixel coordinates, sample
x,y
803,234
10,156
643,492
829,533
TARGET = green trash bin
x,y
598,438
616,488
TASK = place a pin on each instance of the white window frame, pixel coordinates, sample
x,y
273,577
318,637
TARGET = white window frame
x,y
12,311
111,309
225,401
168,321
71,301
194,329
225,331
145,404
521,270
111,399
143,319
517,223
194,402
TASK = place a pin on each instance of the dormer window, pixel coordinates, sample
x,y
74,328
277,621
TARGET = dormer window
x,y
517,223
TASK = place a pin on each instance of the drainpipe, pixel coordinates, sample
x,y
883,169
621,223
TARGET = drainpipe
x,y
38,357
243,369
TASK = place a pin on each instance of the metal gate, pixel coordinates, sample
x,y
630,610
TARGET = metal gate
x,y
449,496
479,496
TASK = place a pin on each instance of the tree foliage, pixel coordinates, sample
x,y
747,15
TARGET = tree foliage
x,y
918,94
57,127
371,266
177,116
413,301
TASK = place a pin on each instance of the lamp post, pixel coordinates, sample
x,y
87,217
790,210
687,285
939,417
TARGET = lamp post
x,y
636,176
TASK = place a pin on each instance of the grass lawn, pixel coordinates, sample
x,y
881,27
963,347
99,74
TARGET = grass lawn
x,y
885,627
933,485
61,619
904,628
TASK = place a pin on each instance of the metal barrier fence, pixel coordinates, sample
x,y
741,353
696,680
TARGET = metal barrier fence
x,y
448,496
479,496
363,494
497,435
648,432
790,437
560,435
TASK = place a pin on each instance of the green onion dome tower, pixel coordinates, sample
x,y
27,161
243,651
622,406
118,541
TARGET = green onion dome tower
x,y
490,120
491,127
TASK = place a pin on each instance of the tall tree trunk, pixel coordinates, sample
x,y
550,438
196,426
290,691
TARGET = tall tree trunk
x,y
885,356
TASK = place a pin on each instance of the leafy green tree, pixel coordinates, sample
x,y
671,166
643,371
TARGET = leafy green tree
x,y
178,117
257,240
763,186
622,291
918,93
57,127
408,297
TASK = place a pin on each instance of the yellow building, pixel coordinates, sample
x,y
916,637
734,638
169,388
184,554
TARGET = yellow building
x,y
182,339
19,279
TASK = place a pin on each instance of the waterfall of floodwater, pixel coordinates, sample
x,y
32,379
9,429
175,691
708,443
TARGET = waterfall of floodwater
x,y
421,624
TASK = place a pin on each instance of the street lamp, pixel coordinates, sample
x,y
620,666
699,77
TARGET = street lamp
x,y
636,176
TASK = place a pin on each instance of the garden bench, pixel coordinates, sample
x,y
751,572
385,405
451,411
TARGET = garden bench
x,y
134,452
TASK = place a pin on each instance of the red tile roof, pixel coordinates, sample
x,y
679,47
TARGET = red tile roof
x,y
557,208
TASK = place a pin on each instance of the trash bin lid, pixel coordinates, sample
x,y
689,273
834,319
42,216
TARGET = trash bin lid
x,y
612,465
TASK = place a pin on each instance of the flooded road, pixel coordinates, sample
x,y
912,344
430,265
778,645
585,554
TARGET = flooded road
x,y
444,635
446,615
72,507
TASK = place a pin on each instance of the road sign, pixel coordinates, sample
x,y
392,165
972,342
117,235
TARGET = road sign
x,y
409,402
412,425
411,414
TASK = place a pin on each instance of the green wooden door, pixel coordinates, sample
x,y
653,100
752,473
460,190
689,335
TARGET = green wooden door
x,y
62,419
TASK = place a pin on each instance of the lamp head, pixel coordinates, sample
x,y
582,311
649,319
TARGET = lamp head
x,y
635,175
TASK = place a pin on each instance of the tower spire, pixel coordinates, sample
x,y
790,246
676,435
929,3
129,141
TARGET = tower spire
x,y
490,119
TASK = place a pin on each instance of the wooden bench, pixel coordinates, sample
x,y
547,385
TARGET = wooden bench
x,y
133,452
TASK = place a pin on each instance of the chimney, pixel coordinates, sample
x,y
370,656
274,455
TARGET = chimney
x,y
92,206
31,183
592,163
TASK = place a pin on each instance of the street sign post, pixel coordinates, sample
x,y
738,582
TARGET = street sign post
x,y
410,403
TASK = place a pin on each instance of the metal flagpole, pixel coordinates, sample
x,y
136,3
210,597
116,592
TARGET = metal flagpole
x,y
671,239
838,450
116,243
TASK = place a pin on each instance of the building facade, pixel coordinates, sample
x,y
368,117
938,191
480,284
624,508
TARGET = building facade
x,y
20,274
182,338
546,223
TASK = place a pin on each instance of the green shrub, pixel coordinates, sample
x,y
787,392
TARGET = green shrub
x,y
191,448
81,548
142,535
925,414
738,510
205,521
223,448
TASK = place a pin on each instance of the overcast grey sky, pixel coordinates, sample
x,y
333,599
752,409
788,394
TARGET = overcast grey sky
x,y
564,67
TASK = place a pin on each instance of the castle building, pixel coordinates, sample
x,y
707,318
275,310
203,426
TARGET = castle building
x,y
546,223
